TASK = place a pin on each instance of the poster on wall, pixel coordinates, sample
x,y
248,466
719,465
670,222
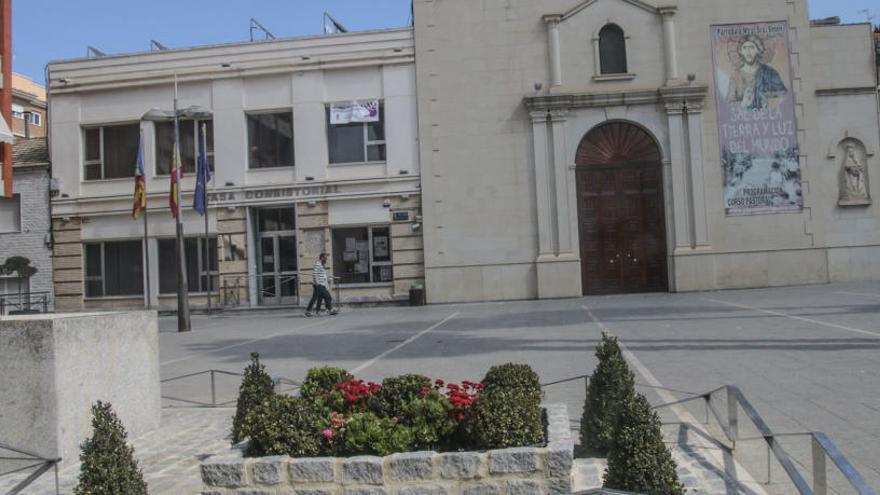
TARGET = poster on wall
x,y
354,111
756,118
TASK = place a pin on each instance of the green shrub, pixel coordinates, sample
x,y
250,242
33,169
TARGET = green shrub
x,y
256,388
506,417
428,418
639,460
367,434
322,380
285,425
397,392
108,464
510,375
611,385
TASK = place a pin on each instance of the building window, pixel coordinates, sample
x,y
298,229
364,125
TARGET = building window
x,y
111,151
270,140
612,50
114,269
357,142
10,214
17,112
189,145
36,119
362,255
198,268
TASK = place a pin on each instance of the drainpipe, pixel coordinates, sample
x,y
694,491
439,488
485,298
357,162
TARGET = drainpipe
x,y
6,93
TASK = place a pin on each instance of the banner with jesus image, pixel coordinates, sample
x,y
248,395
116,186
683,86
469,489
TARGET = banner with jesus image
x,y
756,118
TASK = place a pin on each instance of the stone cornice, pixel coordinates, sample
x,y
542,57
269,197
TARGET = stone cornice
x,y
362,49
693,94
866,90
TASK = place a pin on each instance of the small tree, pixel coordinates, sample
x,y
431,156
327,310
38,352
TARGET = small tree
x,y
256,388
639,460
108,464
21,266
611,385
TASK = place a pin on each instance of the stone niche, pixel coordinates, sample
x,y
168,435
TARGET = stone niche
x,y
53,368
854,185
544,470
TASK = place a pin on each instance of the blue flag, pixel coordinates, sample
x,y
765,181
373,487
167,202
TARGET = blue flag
x,y
203,174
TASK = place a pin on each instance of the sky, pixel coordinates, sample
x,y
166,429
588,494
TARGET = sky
x,y
45,30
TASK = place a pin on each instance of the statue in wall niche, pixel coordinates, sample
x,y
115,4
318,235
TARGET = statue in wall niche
x,y
854,183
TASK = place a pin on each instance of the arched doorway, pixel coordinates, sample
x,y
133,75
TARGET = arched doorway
x,y
620,211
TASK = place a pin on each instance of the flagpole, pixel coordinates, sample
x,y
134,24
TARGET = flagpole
x,y
203,144
147,255
183,319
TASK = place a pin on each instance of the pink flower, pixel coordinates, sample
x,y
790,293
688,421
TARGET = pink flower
x,y
328,433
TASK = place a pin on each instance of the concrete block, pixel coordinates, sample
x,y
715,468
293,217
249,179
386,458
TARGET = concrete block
x,y
224,473
523,487
53,368
364,490
517,460
362,470
481,489
269,470
460,465
412,466
423,490
314,470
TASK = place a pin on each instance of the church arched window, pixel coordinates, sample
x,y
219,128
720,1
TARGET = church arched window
x,y
612,50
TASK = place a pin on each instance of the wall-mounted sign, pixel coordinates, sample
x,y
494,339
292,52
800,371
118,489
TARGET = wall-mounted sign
x,y
354,111
756,118
401,216
263,195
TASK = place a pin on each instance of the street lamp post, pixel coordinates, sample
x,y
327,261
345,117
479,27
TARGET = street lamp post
x,y
157,115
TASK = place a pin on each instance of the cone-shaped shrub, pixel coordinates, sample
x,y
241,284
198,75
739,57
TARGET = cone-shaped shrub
x,y
256,388
611,385
639,460
108,464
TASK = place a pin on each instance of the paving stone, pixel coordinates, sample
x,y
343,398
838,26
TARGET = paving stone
x,y
460,465
314,470
518,460
362,470
413,466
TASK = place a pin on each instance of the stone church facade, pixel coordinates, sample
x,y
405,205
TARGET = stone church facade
x,y
575,147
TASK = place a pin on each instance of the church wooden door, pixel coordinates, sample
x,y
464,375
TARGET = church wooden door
x,y
620,211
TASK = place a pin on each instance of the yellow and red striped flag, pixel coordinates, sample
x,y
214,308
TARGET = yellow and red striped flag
x,y
172,198
140,186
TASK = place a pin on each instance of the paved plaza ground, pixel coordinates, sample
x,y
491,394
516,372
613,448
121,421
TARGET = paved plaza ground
x,y
806,357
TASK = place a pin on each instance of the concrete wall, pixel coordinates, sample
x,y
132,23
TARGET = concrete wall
x,y
50,377
32,184
477,63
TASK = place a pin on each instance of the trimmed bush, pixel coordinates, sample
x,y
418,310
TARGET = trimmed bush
x,y
506,417
429,419
256,388
639,460
285,425
320,381
108,464
367,434
611,385
397,392
516,376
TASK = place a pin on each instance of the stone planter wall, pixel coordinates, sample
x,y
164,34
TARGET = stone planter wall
x,y
519,471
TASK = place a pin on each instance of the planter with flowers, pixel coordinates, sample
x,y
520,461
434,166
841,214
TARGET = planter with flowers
x,y
409,435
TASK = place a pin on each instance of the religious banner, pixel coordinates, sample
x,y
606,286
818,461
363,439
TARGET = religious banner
x,y
756,118
354,111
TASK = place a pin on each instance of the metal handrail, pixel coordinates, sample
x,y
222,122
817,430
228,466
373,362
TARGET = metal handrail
x,y
277,382
25,301
42,466
822,446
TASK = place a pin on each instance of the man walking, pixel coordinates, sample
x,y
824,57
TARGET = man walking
x,y
320,292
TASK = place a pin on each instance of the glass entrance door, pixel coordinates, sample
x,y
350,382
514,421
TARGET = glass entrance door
x,y
277,267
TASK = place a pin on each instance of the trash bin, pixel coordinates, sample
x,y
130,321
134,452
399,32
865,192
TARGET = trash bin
x,y
417,295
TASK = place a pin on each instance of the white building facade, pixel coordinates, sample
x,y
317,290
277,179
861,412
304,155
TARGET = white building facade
x,y
287,182
575,147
